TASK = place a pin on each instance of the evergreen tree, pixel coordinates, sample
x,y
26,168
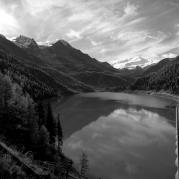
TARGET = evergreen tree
x,y
5,90
59,133
41,113
32,120
51,124
34,132
44,136
84,165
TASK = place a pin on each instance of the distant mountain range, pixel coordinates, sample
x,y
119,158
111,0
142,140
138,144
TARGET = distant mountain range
x,y
131,63
59,67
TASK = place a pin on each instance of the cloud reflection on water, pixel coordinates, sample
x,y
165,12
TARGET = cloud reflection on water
x,y
127,144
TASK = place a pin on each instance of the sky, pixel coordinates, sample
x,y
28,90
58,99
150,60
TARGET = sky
x,y
119,31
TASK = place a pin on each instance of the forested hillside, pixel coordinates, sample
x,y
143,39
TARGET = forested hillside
x,y
37,83
60,64
27,125
64,61
38,72
164,78
103,81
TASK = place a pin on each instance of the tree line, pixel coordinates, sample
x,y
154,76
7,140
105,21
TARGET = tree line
x,y
31,80
166,79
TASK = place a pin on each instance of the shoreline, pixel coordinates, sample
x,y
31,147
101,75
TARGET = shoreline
x,y
162,94
155,93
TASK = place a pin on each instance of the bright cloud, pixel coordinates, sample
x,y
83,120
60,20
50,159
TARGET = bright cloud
x,y
7,23
169,55
130,9
73,34
113,30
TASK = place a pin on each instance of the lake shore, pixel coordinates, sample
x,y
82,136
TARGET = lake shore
x,y
155,93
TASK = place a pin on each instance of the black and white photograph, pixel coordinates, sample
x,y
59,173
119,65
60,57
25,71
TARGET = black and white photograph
x,y
89,89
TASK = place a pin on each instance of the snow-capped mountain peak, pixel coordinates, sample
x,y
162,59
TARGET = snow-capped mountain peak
x,y
133,62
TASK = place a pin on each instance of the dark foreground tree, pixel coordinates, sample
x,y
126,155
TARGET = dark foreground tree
x,y
59,133
34,131
41,113
51,124
84,165
5,90
44,136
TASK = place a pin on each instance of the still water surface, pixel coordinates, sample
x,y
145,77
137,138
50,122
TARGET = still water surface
x,y
125,136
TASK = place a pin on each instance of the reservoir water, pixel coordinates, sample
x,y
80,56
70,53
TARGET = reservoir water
x,y
125,136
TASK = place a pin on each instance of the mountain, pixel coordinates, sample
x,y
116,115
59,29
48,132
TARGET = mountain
x,y
71,60
63,56
25,65
159,65
2,36
38,84
11,48
103,81
26,42
139,71
65,60
132,73
59,67
162,76
132,63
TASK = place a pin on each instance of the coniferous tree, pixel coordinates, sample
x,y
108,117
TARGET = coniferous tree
x,y
51,124
44,136
84,165
41,114
5,90
59,133
34,132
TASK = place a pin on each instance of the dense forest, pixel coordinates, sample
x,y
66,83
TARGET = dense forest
x,y
165,78
25,77
31,125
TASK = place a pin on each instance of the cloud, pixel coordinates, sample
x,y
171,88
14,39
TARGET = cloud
x,y
82,16
177,27
130,9
169,55
133,37
93,42
132,63
7,23
73,34
107,30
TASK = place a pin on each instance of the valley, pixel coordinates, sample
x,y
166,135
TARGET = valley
x,y
35,79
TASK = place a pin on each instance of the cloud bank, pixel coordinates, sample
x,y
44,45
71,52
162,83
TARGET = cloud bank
x,y
107,30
